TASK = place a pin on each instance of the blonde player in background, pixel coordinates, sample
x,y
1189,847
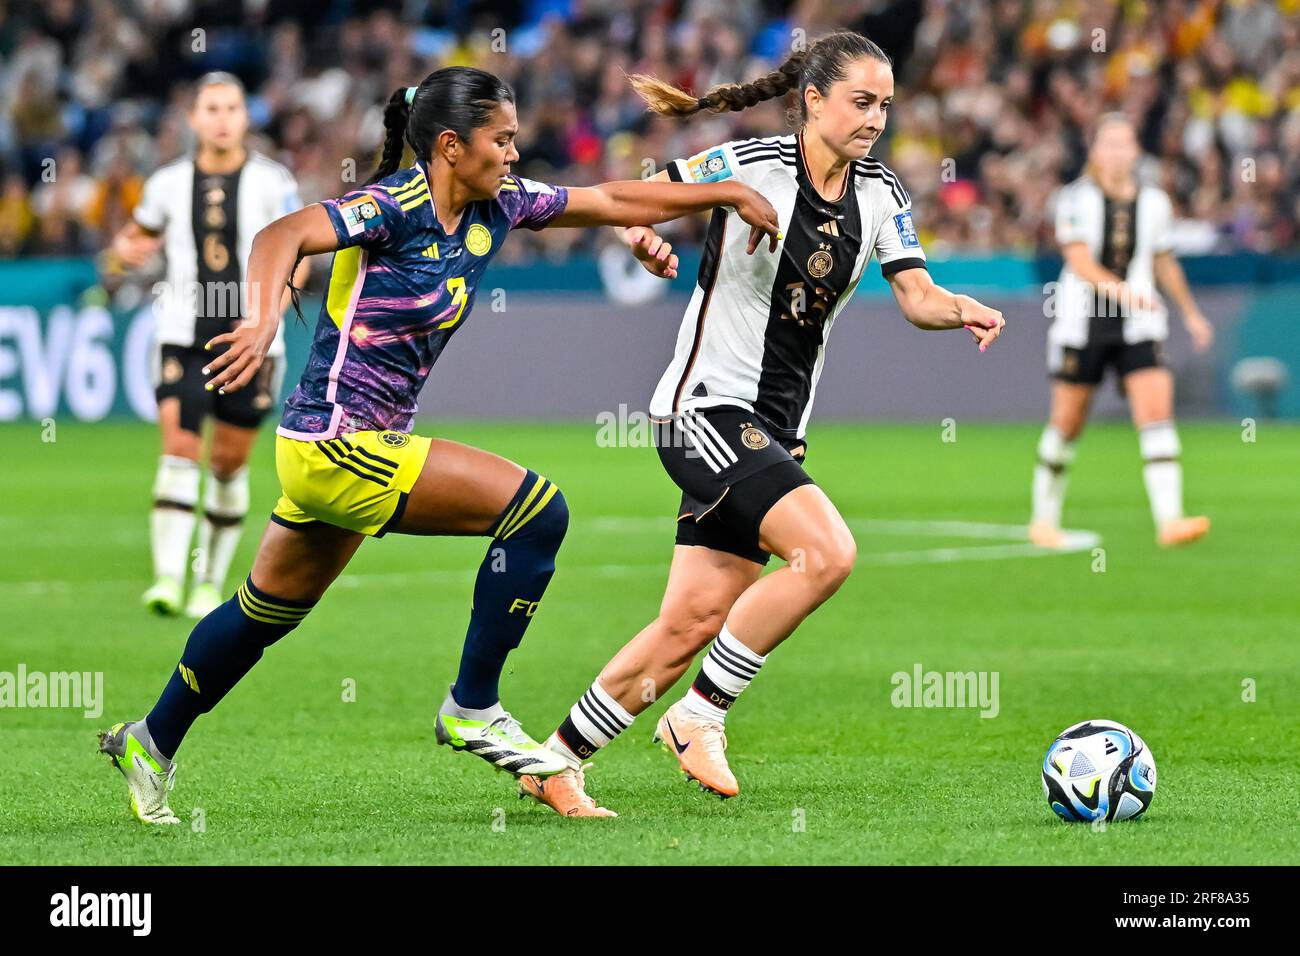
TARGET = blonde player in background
x,y
1115,235
204,211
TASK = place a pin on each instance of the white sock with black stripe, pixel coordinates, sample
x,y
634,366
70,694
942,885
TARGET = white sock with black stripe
x,y
225,503
171,523
594,721
1161,471
1055,455
727,670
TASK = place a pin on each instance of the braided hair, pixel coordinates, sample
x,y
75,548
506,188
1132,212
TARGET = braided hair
x,y
820,66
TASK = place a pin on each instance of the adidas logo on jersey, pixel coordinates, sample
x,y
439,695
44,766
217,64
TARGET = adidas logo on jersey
x,y
831,228
431,252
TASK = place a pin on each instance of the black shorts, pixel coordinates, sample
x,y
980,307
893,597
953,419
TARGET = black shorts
x,y
180,375
1087,366
731,471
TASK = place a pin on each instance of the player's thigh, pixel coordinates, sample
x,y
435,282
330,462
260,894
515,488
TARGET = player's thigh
x,y
231,446
299,564
703,584
1070,404
1150,394
806,530
460,490
177,442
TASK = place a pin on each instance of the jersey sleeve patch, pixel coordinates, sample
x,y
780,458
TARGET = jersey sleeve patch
x,y
906,230
709,167
360,214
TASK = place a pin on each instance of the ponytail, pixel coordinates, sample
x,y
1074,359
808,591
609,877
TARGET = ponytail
x,y
820,66
667,100
396,115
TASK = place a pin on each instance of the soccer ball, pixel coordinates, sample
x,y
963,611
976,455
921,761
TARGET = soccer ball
x,y
1098,770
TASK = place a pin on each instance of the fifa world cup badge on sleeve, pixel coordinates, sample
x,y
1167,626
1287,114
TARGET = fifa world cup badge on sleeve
x,y
359,214
906,230
709,167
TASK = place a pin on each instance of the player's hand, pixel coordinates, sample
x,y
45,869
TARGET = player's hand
x,y
983,323
134,251
651,250
235,367
752,207
1135,297
1201,331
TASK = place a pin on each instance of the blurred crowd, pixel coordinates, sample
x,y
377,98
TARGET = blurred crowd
x,y
993,100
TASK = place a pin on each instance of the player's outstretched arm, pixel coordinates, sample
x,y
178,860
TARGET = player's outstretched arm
x,y
271,261
639,203
932,307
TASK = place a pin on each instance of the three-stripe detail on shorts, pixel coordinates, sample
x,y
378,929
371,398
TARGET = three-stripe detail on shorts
x,y
360,462
714,452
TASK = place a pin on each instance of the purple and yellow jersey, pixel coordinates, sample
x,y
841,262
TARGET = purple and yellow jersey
x,y
400,286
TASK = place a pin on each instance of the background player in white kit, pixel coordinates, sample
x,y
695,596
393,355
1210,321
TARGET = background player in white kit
x,y
1116,237
734,403
204,211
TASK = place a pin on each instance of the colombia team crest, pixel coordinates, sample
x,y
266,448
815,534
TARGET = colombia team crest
x,y
394,439
479,240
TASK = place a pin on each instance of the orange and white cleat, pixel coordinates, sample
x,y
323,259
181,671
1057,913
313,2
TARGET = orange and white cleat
x,y
565,793
1044,534
699,746
1182,531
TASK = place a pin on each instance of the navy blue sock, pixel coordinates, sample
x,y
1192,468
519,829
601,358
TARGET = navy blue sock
x,y
222,648
519,563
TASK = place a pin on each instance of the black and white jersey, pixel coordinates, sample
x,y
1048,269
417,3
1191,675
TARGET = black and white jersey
x,y
1124,237
208,223
755,332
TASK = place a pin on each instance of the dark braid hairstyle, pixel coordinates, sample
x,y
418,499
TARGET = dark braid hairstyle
x,y
820,66
458,98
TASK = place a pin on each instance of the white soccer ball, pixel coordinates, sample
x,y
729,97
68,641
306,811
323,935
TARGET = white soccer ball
x,y
1098,770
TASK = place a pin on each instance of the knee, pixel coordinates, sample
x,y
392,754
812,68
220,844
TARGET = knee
x,y
225,464
827,564
689,627
545,519
553,520
183,444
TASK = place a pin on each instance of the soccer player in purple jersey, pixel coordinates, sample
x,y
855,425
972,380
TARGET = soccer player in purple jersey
x,y
411,248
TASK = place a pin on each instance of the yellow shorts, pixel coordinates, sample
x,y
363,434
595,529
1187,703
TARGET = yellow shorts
x,y
358,481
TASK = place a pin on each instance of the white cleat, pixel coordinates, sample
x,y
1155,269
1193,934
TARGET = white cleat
x,y
147,781
501,742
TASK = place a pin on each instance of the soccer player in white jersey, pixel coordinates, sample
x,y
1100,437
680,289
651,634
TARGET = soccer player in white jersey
x,y
733,406
204,210
1116,236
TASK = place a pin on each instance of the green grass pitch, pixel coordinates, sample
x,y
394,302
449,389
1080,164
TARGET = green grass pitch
x,y
285,771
